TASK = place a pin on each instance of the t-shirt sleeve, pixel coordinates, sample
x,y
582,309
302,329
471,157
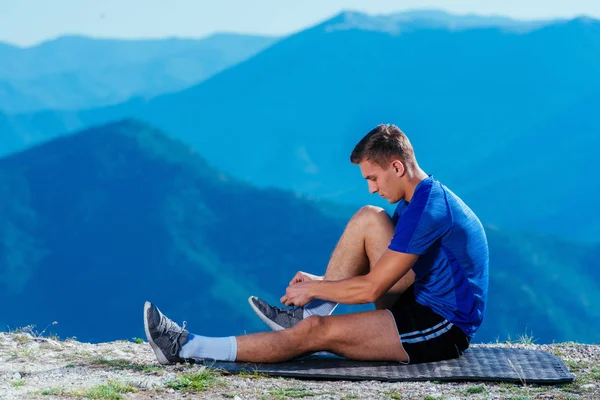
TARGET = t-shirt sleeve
x,y
424,222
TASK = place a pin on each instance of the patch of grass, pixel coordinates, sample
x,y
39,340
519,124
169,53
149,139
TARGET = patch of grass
x,y
30,329
522,393
430,398
526,338
110,391
505,387
576,366
572,365
29,353
196,381
126,364
83,353
18,383
118,364
574,387
537,389
47,345
256,374
150,369
474,390
53,392
584,377
138,340
22,338
23,329
293,392
350,396
393,394
519,391
557,352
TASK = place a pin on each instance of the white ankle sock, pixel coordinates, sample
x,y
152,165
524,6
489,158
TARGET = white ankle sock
x,y
319,307
222,349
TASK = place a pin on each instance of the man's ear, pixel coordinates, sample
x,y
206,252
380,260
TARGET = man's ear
x,y
398,167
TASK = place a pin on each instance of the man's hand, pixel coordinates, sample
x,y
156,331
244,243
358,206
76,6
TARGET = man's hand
x,y
299,294
305,277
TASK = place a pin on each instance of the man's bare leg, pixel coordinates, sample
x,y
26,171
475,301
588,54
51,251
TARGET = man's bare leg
x,y
365,239
370,335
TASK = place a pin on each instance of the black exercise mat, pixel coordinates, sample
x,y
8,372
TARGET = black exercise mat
x,y
476,364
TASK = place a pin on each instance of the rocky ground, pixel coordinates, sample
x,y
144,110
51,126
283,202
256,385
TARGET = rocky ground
x,y
37,367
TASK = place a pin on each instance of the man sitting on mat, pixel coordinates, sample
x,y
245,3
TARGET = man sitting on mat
x,y
425,268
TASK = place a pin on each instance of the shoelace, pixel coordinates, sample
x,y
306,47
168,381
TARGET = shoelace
x,y
288,311
170,328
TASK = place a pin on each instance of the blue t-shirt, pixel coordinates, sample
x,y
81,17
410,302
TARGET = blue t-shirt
x,y
451,274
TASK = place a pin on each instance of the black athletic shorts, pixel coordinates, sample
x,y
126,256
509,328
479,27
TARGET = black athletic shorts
x,y
425,335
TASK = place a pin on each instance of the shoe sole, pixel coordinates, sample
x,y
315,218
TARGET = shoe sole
x,y
159,354
266,320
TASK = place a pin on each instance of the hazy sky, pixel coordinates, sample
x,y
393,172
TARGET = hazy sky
x,y
27,22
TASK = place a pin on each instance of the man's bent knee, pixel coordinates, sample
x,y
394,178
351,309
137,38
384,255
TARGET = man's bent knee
x,y
368,211
372,215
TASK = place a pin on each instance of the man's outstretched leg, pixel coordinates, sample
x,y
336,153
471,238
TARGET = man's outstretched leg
x,y
167,339
365,239
370,335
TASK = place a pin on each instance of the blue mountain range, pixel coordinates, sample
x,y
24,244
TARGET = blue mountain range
x,y
74,72
483,107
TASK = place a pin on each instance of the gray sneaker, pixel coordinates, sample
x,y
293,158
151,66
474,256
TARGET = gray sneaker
x,y
164,335
277,318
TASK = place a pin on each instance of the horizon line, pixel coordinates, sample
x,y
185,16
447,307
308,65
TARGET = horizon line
x,y
289,33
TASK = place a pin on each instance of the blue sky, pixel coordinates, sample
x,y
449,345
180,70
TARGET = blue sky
x,y
27,22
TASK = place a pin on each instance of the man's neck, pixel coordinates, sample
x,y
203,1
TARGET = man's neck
x,y
414,178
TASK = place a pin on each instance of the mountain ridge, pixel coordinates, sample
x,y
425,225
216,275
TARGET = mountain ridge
x,y
75,72
395,23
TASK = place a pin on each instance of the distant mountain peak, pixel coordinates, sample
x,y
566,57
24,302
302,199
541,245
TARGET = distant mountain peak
x,y
126,127
146,136
8,47
83,39
425,18
581,25
63,40
126,134
348,19
586,21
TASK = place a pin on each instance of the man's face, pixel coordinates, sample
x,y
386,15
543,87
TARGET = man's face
x,y
385,182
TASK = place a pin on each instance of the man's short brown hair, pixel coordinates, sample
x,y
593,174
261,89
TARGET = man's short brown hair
x,y
382,145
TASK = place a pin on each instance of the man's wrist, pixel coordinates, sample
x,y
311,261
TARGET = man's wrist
x,y
315,290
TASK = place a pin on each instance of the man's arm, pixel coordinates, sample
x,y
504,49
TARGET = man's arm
x,y
390,268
